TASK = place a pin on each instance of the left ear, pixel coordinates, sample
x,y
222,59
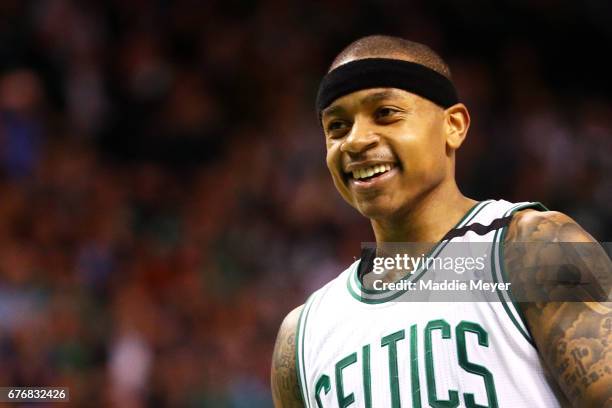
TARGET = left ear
x,y
456,124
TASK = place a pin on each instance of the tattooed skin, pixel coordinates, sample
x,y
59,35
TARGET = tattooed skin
x,y
571,322
285,387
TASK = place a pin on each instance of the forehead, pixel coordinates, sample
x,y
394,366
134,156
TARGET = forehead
x,y
365,97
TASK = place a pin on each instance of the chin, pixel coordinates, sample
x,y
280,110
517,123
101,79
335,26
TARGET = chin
x,y
377,210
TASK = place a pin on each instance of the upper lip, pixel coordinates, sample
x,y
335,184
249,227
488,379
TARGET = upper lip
x,y
365,164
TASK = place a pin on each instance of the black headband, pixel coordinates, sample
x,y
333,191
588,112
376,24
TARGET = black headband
x,y
386,73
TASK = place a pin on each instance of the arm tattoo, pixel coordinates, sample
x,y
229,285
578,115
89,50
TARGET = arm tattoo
x,y
571,321
285,388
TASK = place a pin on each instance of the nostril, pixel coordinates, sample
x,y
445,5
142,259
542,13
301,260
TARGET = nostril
x,y
356,143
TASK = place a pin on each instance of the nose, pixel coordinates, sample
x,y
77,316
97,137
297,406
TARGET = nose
x,y
360,139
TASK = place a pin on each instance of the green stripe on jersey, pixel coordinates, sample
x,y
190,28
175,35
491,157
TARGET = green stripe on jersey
x,y
499,273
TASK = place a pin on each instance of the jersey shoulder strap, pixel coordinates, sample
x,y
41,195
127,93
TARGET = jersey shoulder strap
x,y
511,306
492,215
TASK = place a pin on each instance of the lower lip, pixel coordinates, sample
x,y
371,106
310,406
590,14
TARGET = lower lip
x,y
364,185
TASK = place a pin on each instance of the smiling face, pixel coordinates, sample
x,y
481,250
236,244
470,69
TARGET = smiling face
x,y
386,148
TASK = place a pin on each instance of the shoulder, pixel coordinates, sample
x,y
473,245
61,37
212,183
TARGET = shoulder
x,y
563,280
549,226
548,253
284,348
290,321
284,381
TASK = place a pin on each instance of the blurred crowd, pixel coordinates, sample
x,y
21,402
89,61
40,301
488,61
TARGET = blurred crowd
x,y
164,200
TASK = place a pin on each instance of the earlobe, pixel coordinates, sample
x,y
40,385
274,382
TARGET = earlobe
x,y
457,123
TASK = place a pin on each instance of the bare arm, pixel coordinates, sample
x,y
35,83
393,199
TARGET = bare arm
x,y
573,331
285,388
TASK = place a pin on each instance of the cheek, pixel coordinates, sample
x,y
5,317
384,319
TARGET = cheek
x,y
422,149
332,160
334,164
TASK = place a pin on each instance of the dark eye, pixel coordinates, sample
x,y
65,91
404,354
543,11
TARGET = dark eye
x,y
385,112
336,125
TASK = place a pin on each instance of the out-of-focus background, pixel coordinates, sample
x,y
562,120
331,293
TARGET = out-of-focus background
x,y
164,200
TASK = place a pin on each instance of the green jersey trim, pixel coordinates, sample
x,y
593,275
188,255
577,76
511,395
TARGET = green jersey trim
x,y
499,273
369,296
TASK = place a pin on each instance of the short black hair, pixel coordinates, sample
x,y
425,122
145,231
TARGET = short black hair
x,y
385,46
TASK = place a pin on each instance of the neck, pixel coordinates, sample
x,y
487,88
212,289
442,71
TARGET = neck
x,y
428,219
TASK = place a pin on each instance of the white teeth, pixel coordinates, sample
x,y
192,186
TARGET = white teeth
x,y
370,171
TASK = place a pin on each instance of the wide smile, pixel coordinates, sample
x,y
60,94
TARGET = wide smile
x,y
372,176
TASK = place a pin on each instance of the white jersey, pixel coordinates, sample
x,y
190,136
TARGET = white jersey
x,y
358,349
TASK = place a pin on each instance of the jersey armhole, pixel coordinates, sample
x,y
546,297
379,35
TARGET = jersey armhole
x,y
509,302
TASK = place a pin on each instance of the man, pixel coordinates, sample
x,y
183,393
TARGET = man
x,y
392,125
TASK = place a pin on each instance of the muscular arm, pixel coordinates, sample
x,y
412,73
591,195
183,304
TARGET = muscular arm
x,y
285,387
571,321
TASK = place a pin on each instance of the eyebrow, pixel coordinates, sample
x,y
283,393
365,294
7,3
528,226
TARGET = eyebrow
x,y
333,110
373,98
